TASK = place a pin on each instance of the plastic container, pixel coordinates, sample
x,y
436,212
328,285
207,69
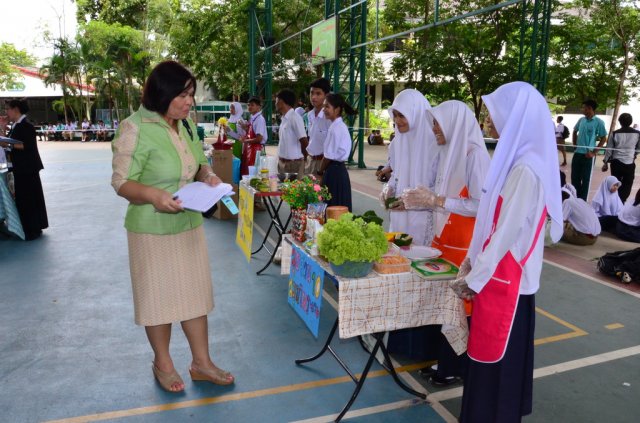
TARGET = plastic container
x,y
392,264
352,269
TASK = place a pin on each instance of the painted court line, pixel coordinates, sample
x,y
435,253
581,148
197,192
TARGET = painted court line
x,y
227,398
591,278
553,369
365,411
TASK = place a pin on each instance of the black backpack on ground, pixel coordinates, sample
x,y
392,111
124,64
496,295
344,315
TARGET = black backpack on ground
x,y
624,265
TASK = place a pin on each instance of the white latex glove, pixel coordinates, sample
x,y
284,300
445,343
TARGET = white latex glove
x,y
419,198
387,192
465,268
462,290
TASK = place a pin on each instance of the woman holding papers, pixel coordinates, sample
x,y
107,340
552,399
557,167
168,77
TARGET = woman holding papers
x,y
155,153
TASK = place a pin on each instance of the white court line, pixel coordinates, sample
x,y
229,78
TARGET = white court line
x,y
554,369
591,278
365,411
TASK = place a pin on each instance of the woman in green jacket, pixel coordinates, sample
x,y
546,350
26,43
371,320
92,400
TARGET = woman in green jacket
x,y
155,152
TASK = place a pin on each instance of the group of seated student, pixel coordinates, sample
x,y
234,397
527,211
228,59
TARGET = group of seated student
x,y
86,131
623,220
583,223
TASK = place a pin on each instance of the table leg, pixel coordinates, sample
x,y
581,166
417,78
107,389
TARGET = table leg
x,y
280,229
266,236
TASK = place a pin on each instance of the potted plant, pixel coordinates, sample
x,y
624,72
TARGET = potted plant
x,y
351,245
299,194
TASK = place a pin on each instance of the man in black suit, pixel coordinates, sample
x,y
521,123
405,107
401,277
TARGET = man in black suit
x,y
26,169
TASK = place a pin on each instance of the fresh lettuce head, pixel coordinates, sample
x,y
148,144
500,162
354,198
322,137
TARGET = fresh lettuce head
x,y
349,239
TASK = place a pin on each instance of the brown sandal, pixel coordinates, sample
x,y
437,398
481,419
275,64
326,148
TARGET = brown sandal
x,y
215,376
167,379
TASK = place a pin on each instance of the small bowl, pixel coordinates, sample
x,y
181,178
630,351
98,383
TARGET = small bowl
x,y
287,176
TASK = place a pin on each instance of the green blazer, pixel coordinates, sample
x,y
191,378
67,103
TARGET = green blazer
x,y
145,151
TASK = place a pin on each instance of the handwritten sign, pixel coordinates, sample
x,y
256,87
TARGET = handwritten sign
x,y
244,233
305,289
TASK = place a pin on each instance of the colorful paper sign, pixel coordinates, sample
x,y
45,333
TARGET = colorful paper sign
x,y
305,288
244,233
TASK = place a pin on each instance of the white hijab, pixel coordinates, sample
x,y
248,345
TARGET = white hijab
x,y
605,202
410,155
237,116
527,136
462,134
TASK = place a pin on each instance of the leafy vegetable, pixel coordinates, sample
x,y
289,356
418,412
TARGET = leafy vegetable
x,y
349,239
370,216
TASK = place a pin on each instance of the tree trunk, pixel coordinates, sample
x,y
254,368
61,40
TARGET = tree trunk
x,y
623,77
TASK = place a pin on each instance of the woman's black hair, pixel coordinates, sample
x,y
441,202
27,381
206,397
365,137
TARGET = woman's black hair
x,y
637,200
336,100
21,105
165,82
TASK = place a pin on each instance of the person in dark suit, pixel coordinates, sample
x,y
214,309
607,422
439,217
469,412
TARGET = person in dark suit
x,y
26,171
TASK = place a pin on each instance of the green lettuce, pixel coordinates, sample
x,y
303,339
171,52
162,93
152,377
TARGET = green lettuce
x,y
349,239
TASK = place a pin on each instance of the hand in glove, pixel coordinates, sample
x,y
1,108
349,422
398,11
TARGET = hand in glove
x,y
387,196
419,198
465,268
462,290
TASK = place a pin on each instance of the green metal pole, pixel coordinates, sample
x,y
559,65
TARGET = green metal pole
x,y
363,86
252,48
268,65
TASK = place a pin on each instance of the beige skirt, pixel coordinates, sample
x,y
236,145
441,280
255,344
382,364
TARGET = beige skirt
x,y
170,277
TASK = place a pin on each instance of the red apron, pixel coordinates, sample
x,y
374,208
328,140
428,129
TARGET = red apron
x,y
454,240
249,153
494,307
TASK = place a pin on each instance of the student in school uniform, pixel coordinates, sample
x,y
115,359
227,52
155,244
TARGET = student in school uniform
x,y
607,203
628,226
337,147
521,189
256,136
581,224
318,126
459,168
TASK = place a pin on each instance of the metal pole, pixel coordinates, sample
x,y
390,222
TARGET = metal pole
x,y
252,48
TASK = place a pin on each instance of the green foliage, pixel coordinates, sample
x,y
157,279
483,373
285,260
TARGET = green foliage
x,y
349,239
302,192
10,57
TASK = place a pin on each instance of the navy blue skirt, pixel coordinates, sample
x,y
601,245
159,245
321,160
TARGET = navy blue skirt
x,y
502,392
336,178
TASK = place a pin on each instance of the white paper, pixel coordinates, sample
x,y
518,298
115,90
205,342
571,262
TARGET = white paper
x,y
198,196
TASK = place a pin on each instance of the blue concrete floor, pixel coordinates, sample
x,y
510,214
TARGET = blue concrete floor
x,y
71,352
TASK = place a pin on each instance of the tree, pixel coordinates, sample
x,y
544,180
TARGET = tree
x,y
10,57
463,59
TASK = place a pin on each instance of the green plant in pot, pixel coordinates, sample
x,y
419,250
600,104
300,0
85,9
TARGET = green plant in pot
x,y
351,245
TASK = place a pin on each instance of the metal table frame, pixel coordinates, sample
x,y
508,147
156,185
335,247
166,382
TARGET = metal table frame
x,y
276,223
372,355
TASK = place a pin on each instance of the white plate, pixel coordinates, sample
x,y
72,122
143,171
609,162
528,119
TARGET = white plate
x,y
418,252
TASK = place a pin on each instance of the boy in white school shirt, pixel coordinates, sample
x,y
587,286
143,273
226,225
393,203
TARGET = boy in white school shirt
x,y
318,126
292,147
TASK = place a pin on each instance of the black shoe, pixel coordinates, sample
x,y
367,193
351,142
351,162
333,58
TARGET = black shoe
x,y
427,372
443,380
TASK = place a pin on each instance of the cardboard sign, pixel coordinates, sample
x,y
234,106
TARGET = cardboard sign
x,y
244,233
305,288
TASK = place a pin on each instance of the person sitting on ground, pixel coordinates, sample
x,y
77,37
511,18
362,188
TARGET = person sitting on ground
x,y
581,225
628,226
607,204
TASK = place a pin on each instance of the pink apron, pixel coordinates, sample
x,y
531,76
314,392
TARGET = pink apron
x,y
494,308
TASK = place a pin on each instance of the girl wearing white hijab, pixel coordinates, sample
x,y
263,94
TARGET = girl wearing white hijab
x,y
236,127
607,203
460,166
628,226
410,155
522,187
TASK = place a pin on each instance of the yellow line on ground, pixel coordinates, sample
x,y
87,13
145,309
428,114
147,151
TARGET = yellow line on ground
x,y
227,398
576,331
614,326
